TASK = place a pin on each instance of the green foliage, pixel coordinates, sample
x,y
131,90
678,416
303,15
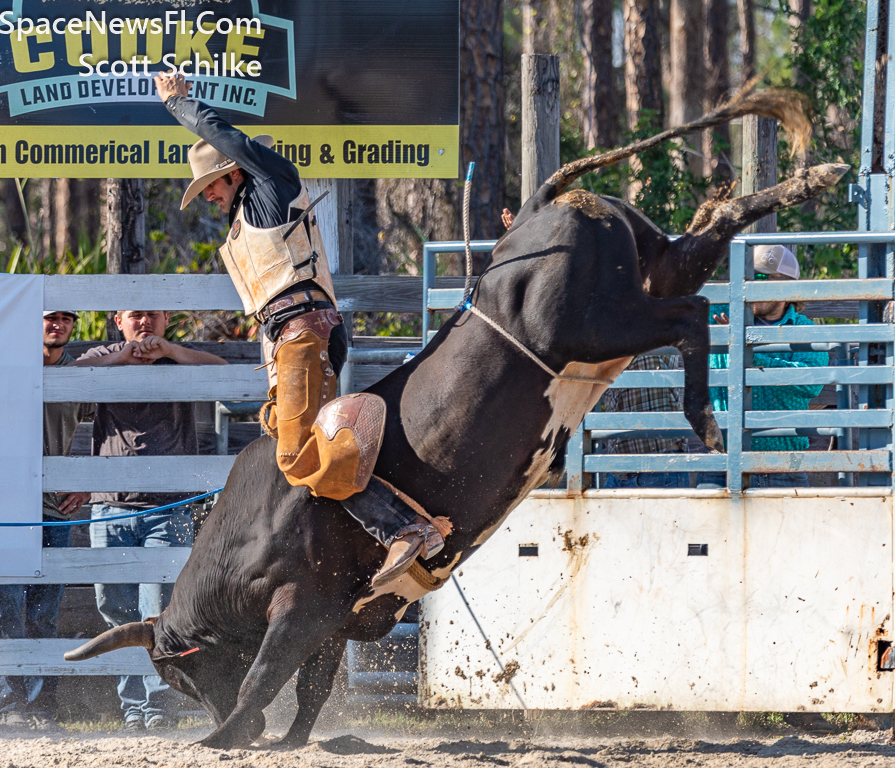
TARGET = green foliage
x,y
760,721
668,192
826,64
387,324
200,259
89,260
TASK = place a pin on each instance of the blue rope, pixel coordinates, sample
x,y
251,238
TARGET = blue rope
x,y
115,517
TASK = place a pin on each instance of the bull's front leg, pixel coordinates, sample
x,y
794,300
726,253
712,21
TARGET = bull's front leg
x,y
312,689
694,345
293,633
641,326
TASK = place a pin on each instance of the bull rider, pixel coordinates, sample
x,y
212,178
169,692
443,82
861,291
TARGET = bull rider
x,y
274,253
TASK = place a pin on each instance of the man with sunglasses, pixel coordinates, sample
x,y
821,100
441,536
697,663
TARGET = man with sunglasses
x,y
771,262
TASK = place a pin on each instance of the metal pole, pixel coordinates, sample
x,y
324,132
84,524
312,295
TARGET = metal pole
x,y
221,430
740,357
344,265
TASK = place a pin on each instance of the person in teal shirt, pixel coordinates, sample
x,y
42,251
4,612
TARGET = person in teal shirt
x,y
772,262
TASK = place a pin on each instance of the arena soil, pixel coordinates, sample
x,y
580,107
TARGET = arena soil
x,y
369,746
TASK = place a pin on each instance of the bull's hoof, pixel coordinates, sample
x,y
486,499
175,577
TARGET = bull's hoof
x,y
214,741
290,742
235,732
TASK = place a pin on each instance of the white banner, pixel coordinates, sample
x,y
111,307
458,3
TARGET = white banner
x,y
21,421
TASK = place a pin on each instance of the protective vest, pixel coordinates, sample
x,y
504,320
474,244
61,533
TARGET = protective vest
x,y
265,262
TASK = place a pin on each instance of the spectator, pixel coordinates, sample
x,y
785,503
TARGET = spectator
x,y
772,262
648,399
32,700
142,429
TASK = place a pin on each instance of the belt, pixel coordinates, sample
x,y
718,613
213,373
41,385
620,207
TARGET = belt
x,y
292,300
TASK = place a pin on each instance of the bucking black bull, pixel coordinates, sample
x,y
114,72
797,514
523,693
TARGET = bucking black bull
x,y
277,580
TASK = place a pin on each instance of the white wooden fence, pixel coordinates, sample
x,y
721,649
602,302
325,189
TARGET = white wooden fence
x,y
162,473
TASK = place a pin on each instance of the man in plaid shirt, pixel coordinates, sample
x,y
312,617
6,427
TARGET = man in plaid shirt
x,y
649,399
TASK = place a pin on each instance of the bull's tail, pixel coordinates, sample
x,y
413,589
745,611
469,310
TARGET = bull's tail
x,y
783,105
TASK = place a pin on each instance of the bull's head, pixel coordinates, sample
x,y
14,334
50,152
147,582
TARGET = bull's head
x,y
187,671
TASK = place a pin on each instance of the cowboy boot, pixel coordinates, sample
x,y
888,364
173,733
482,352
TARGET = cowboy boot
x,y
419,539
393,523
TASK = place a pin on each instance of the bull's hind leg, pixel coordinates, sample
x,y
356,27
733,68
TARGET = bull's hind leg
x,y
293,634
691,259
314,684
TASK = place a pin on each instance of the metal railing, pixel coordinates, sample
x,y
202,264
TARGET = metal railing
x,y
872,426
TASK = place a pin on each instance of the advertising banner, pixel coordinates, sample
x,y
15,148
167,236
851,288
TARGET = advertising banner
x,y
348,88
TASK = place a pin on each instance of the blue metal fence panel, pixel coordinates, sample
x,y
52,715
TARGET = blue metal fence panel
x,y
656,462
858,419
874,289
786,334
870,50
763,377
634,379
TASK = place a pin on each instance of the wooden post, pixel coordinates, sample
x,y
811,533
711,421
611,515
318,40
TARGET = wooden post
x,y
759,163
45,218
125,236
528,27
540,120
759,172
62,220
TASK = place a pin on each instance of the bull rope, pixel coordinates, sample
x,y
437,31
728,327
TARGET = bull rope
x,y
467,188
467,303
142,513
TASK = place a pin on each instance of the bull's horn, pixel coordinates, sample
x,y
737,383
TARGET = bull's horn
x,y
137,633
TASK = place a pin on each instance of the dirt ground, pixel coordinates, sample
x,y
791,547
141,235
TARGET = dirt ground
x,y
450,740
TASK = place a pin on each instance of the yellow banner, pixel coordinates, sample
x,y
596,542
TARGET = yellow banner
x,y
324,152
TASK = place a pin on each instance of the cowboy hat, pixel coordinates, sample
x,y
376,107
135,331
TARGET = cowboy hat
x,y
208,164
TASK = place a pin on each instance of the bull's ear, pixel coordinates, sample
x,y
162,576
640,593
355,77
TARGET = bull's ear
x,y
137,633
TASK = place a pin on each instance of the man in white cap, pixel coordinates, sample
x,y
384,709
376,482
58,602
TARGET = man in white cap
x,y
771,262
274,253
30,611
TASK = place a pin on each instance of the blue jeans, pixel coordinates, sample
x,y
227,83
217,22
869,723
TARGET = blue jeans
x,y
40,605
141,697
777,480
649,480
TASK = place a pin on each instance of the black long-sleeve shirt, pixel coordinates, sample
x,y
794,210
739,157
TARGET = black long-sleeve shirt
x,y
272,182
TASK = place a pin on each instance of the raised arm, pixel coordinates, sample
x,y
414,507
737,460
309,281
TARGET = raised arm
x,y
206,123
